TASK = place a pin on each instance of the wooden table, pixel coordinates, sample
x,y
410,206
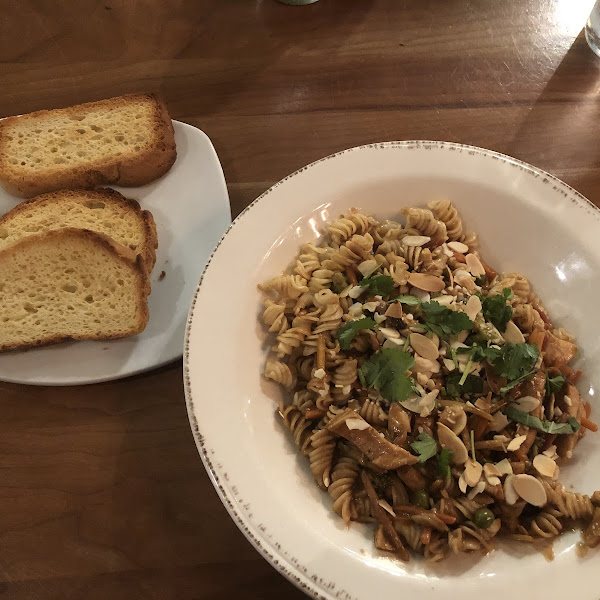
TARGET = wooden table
x,y
102,492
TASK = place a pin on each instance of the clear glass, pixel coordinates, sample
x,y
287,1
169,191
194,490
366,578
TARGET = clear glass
x,y
592,29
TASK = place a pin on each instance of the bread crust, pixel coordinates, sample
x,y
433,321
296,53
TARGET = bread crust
x,y
119,252
101,194
128,171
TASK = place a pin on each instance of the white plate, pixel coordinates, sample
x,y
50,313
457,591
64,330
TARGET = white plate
x,y
190,205
528,221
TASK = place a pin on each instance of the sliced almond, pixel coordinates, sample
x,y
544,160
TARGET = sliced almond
x,y
474,265
476,490
394,310
530,489
356,310
415,240
448,439
462,336
367,266
427,282
544,465
427,403
389,333
526,403
510,495
499,421
386,507
424,365
445,300
473,307
319,373
458,247
494,481
462,484
379,318
550,452
513,334
423,346
412,403
516,443
393,343
473,471
359,424
483,405
422,295
449,364
356,291
504,467
370,306
491,470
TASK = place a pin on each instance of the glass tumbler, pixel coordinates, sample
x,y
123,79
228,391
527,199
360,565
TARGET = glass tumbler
x,y
592,29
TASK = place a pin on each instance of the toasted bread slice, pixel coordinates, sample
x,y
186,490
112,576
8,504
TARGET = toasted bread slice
x,y
70,284
103,210
126,140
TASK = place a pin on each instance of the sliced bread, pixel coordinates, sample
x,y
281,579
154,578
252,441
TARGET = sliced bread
x,y
127,140
103,210
70,284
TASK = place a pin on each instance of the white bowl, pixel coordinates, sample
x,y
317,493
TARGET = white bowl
x,y
528,221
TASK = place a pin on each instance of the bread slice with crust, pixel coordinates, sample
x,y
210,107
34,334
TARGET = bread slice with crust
x,y
102,210
127,140
70,284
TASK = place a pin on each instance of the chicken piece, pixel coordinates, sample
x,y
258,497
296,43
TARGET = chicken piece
x,y
573,407
557,352
381,452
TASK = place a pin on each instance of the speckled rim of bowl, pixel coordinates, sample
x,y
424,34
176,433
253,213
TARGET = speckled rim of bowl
x,y
310,585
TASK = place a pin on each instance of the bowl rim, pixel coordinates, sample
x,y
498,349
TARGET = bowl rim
x,y
306,583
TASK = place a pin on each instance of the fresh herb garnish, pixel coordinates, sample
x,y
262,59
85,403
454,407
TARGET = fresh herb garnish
x,y
444,459
443,321
476,351
473,384
496,311
472,436
513,360
407,299
425,447
517,381
481,280
386,371
554,384
382,285
346,332
571,426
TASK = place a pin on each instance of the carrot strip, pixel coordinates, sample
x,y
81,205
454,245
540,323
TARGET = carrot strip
x,y
351,276
489,272
575,378
588,409
426,535
480,428
314,413
460,257
585,422
320,362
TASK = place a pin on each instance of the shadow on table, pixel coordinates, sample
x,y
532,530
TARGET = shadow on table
x,y
566,111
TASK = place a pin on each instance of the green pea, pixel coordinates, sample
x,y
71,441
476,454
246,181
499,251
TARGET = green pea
x,y
420,498
483,518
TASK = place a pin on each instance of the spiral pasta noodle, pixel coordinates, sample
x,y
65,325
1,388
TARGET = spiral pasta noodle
x,y
432,396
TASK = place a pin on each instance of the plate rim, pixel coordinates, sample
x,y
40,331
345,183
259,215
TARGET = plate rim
x,y
220,176
277,560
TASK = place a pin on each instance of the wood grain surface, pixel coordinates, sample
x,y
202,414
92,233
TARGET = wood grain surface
x,y
102,492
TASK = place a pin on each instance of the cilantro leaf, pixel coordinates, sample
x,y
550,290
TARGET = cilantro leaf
x,y
517,381
496,311
554,384
476,351
444,321
513,360
571,426
339,282
407,299
382,285
473,384
481,280
444,459
347,332
386,372
425,448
